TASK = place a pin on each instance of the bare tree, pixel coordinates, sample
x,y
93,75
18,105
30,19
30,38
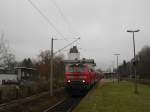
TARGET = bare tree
x,y
6,57
3,48
43,65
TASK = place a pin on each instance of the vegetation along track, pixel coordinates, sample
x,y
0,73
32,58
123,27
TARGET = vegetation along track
x,y
66,105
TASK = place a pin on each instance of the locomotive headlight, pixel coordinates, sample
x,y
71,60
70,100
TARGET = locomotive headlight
x,y
68,81
83,81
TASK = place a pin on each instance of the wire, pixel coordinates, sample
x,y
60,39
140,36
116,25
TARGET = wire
x,y
70,28
66,38
62,15
66,46
46,18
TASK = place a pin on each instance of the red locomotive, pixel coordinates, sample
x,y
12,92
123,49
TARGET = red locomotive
x,y
80,75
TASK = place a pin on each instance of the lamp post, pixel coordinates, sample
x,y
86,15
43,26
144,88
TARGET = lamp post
x,y
112,70
117,67
135,75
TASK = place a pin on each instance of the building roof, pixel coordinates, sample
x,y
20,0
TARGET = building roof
x,y
26,68
90,61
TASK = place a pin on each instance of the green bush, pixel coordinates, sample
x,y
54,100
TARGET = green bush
x,y
11,92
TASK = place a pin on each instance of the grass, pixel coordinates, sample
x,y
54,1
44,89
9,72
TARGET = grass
x,y
116,98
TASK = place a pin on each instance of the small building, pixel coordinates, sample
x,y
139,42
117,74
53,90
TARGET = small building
x,y
28,74
20,74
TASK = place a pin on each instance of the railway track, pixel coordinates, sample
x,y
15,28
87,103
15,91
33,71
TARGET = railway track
x,y
4,106
66,105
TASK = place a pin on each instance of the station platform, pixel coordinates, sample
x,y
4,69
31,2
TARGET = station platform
x,y
107,96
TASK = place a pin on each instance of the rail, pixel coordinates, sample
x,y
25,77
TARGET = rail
x,y
4,106
66,105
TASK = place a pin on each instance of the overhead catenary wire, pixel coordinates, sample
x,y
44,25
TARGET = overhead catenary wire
x,y
66,38
51,24
61,13
67,46
63,16
46,18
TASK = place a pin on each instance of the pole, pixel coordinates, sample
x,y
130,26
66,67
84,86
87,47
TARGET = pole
x,y
134,44
117,67
112,69
117,70
51,62
135,75
51,69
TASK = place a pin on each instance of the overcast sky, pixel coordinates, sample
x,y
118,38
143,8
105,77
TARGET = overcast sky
x,y
101,24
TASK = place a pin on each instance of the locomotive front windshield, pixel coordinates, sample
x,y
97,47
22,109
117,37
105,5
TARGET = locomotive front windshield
x,y
75,68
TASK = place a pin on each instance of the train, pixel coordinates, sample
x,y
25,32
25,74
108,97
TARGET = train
x,y
80,76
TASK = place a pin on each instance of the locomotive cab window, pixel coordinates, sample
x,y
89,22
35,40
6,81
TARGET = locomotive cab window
x,y
75,68
80,68
71,69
